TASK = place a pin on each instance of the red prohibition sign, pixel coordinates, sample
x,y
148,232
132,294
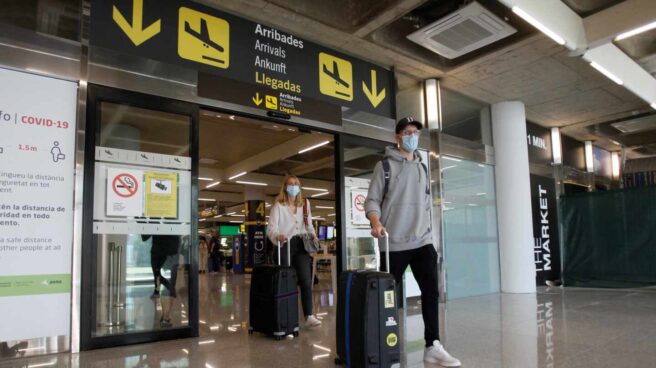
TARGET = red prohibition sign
x,y
125,185
359,202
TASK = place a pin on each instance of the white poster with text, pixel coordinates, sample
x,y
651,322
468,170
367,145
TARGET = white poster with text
x,y
37,170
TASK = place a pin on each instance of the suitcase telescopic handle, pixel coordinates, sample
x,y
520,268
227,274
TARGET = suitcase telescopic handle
x,y
289,256
387,261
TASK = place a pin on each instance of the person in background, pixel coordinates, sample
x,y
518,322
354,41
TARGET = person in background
x,y
165,255
215,251
287,222
399,200
203,254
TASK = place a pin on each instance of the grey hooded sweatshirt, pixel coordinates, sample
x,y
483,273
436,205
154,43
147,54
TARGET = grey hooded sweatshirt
x,y
405,211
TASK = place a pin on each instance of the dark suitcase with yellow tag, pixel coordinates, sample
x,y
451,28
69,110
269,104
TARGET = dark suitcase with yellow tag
x,y
367,320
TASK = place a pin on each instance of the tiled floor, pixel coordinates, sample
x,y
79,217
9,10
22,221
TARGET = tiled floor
x,y
572,328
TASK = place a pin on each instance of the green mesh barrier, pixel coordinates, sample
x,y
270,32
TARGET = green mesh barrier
x,y
610,238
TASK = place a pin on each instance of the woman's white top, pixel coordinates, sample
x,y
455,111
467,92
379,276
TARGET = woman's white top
x,y
282,221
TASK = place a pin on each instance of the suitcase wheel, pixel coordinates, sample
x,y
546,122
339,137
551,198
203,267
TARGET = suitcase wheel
x,y
278,338
295,333
338,361
250,332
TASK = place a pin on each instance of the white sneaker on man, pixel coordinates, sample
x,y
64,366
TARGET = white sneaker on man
x,y
312,321
437,354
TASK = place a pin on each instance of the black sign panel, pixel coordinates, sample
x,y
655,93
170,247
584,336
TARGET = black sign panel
x,y
214,42
255,231
546,247
573,153
539,144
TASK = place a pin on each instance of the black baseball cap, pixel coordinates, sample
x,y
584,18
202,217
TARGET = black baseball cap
x,y
407,121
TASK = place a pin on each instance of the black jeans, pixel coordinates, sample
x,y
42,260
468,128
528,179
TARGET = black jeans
x,y
302,263
423,263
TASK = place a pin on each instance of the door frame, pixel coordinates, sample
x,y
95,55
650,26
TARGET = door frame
x,y
96,95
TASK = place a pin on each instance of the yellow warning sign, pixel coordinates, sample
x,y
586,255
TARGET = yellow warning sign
x,y
392,340
335,77
161,194
203,38
271,102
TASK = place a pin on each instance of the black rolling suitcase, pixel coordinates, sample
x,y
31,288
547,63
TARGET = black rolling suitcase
x,y
367,319
274,299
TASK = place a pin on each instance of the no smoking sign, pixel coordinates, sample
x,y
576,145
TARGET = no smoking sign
x,y
358,202
125,185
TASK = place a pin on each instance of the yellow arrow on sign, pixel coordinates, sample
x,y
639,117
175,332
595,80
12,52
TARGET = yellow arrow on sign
x,y
257,100
135,31
374,97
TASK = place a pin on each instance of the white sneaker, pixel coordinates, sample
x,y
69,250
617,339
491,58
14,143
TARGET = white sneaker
x,y
312,321
437,354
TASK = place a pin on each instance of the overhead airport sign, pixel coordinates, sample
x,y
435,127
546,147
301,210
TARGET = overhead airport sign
x,y
220,44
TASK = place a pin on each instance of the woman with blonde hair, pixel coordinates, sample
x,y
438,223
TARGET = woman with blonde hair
x,y
290,221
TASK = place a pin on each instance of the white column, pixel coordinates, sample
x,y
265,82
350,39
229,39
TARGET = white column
x,y
513,189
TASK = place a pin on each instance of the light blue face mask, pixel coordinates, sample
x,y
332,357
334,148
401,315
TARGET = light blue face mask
x,y
293,190
410,143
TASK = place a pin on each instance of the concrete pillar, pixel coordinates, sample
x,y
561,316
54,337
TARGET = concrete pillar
x,y
513,189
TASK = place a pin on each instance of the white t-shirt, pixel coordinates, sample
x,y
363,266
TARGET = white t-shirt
x,y
283,222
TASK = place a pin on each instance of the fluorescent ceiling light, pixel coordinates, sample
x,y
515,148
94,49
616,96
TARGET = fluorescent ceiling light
x,y
315,189
49,364
448,167
534,22
201,220
238,175
217,216
213,184
320,194
472,205
326,207
230,214
185,351
236,222
251,183
451,158
481,194
605,72
636,31
207,199
313,147
205,179
318,218
331,215
267,204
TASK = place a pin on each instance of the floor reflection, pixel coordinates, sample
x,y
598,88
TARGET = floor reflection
x,y
555,328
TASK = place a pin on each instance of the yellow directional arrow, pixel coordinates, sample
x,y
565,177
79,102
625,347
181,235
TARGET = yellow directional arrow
x,y
374,97
135,31
257,100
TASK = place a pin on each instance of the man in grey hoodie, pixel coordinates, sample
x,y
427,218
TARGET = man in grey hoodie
x,y
399,201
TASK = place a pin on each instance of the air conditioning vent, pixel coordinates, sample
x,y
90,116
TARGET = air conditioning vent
x,y
464,31
636,125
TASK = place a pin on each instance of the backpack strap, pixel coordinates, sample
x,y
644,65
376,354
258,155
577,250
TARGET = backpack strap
x,y
387,174
427,178
305,212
